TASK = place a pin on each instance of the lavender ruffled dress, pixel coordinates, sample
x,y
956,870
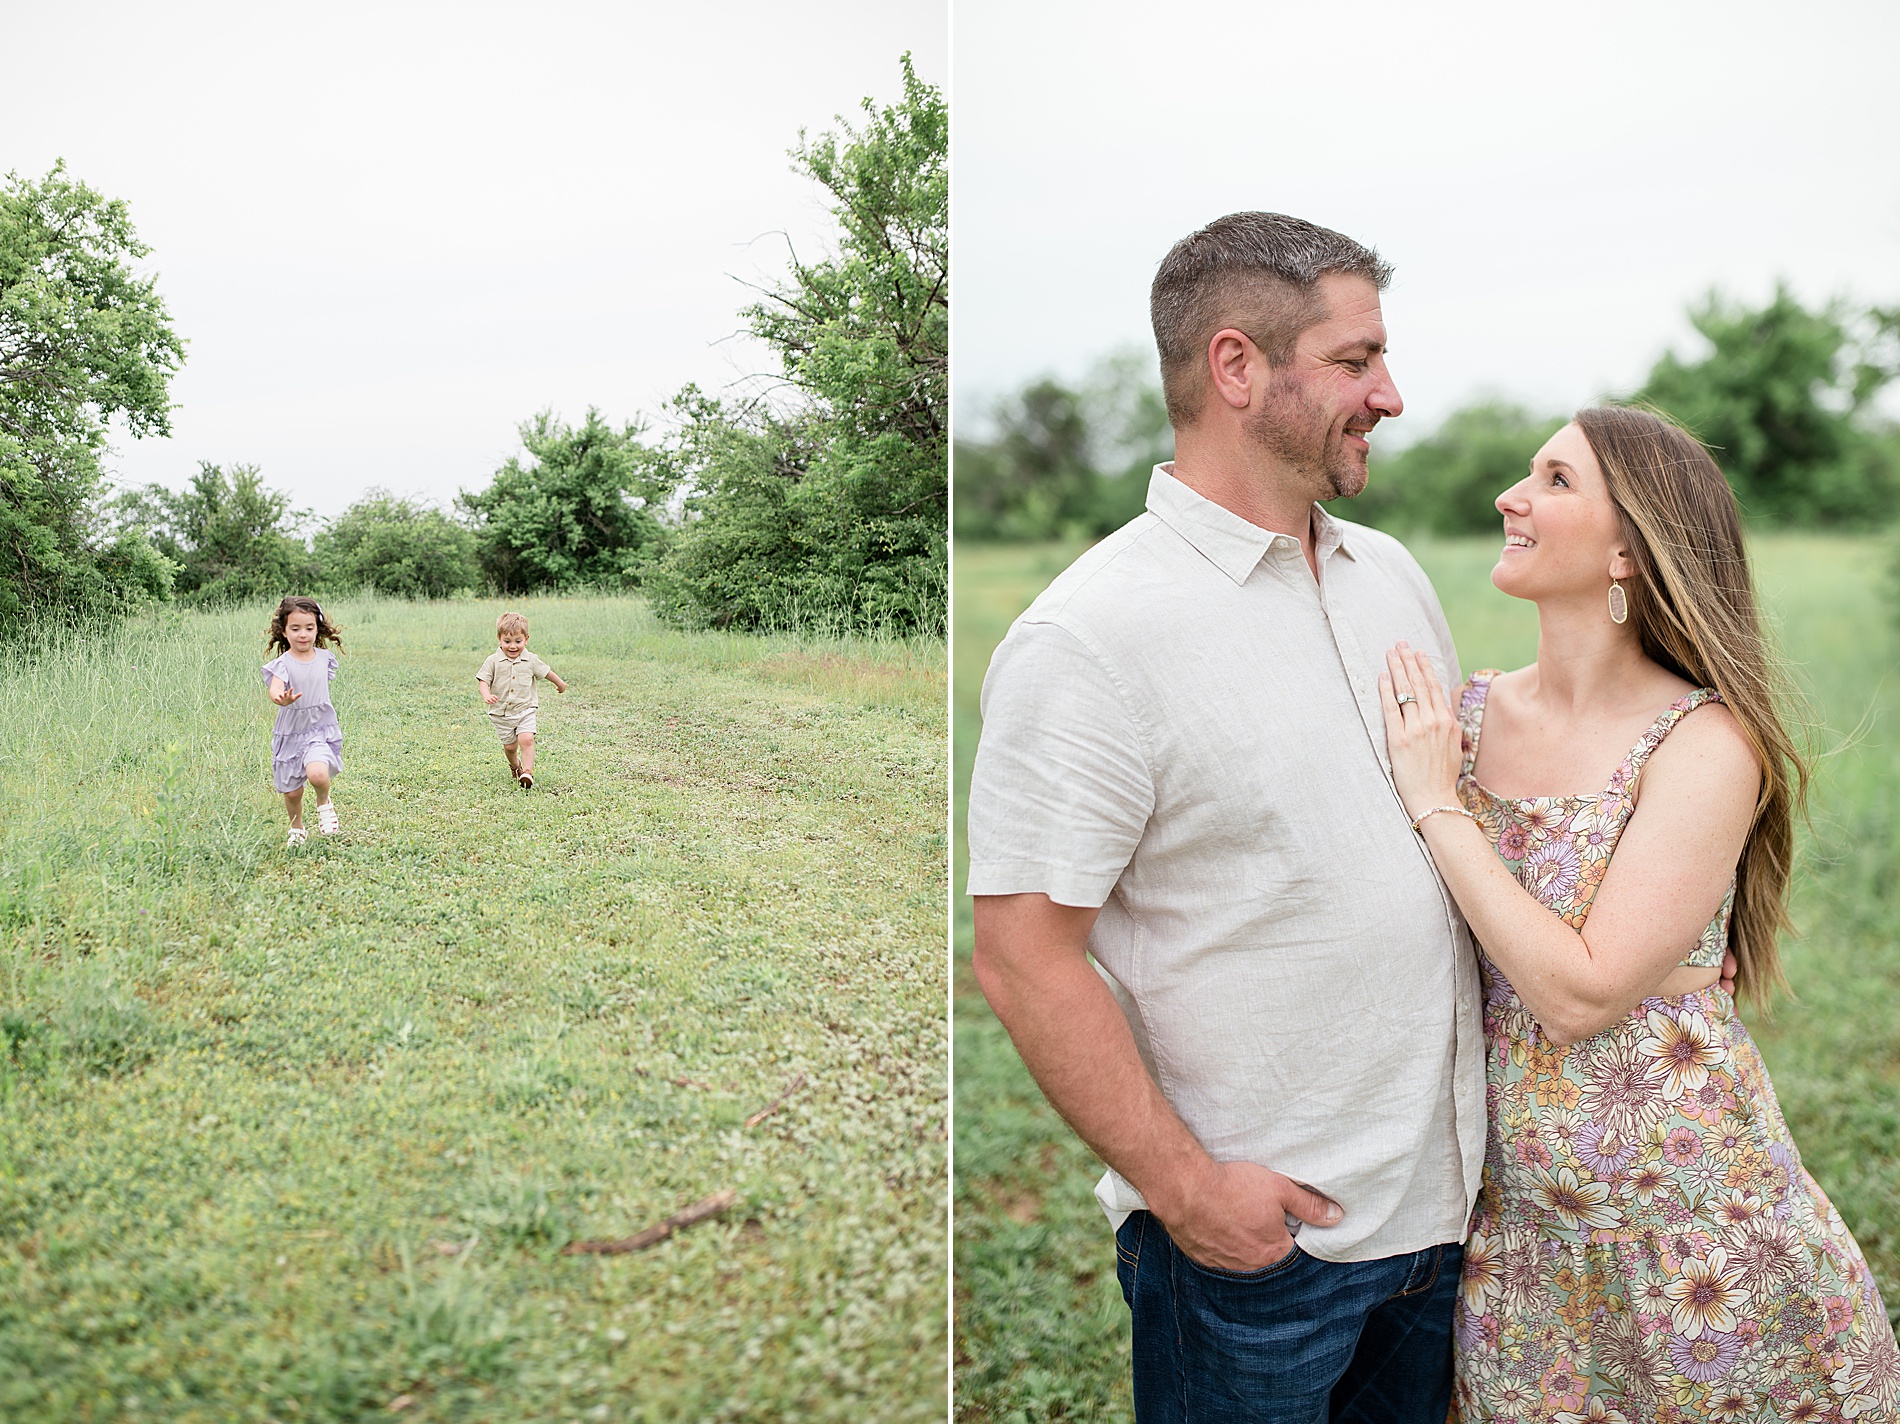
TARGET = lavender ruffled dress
x,y
306,730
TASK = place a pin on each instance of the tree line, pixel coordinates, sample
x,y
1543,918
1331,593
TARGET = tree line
x,y
820,498
1786,396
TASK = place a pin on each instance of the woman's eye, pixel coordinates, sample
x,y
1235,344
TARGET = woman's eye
x,y
1561,481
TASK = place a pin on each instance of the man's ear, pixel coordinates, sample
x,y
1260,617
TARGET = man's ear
x,y
1238,367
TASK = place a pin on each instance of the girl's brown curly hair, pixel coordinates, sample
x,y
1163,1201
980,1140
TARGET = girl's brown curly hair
x,y
327,632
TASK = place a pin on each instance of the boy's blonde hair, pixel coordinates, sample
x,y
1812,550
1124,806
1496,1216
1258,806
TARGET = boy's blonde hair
x,y
511,623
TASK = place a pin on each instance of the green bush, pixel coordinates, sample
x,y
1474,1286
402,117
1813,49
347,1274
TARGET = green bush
x,y
1785,399
770,544
397,546
230,538
1066,462
578,513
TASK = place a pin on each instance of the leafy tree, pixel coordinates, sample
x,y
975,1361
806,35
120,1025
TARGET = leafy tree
x,y
1785,399
397,546
1448,482
1066,462
83,339
1035,479
837,510
229,536
578,513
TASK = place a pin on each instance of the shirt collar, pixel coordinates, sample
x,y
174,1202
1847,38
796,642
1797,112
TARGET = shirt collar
x,y
1231,544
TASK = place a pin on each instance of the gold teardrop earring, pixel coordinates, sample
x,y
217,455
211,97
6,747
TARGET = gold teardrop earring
x,y
1619,603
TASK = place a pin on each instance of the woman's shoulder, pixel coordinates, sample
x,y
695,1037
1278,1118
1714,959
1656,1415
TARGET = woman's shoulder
x,y
1703,750
1713,730
1478,686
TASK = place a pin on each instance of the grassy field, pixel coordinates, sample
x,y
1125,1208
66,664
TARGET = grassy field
x,y
1042,1331
299,1135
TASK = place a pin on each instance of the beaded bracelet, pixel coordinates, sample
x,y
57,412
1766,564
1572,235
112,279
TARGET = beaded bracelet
x,y
1436,809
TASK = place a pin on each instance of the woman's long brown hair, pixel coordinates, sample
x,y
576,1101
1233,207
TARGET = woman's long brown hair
x,y
1694,607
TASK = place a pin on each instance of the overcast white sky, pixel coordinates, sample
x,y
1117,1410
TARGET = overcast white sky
x,y
393,231
1556,183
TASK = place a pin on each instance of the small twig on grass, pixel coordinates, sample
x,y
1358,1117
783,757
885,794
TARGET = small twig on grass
x,y
763,1113
714,1205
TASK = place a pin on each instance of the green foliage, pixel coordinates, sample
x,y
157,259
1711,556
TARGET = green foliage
x,y
1785,397
397,546
836,512
578,513
1034,480
230,537
1065,462
767,545
83,340
1447,483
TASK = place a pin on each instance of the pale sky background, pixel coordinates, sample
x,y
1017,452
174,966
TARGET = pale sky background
x,y
1556,184
392,232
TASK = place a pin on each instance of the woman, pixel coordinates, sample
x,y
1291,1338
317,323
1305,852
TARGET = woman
x,y
1646,1245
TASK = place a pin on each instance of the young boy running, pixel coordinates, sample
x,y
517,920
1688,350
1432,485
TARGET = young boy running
x,y
507,684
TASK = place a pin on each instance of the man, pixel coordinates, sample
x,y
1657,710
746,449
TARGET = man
x,y
1183,775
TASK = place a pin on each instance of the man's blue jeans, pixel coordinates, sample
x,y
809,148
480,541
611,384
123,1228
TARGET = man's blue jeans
x,y
1303,1342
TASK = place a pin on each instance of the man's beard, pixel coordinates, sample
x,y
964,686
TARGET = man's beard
x,y
1295,431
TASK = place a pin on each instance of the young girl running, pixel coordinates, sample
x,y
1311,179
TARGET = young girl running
x,y
306,745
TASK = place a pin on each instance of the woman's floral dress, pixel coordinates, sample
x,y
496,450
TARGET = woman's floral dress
x,y
1646,1245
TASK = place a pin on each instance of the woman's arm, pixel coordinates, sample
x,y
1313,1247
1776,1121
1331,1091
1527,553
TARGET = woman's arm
x,y
280,692
1665,883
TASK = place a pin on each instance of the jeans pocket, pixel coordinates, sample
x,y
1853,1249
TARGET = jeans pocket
x,y
1128,1238
1265,1273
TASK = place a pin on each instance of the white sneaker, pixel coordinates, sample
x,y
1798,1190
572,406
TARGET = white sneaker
x,y
297,837
326,819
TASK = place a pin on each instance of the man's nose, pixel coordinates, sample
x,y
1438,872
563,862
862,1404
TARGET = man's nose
x,y
1385,396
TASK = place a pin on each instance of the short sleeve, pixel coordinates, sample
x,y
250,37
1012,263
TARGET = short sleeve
x,y
1061,791
540,669
332,657
486,672
274,668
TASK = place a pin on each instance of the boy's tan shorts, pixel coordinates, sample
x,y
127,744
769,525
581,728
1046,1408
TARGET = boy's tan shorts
x,y
510,725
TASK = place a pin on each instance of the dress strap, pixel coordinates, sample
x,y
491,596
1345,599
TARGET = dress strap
x,y
1471,714
1623,779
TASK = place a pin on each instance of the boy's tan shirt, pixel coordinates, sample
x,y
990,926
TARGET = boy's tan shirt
x,y
512,680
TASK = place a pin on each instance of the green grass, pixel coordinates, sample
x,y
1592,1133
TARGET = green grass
x,y
1041,1329
287,1135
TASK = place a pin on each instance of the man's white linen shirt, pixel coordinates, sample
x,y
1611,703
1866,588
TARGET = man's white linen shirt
x,y
1185,730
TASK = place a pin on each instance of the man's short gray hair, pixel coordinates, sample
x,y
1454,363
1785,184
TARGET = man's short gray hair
x,y
1256,272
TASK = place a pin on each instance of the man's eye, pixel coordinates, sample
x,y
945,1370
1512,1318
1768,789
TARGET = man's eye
x,y
1356,365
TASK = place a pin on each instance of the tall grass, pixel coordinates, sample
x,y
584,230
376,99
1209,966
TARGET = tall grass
x,y
1041,1328
298,1134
